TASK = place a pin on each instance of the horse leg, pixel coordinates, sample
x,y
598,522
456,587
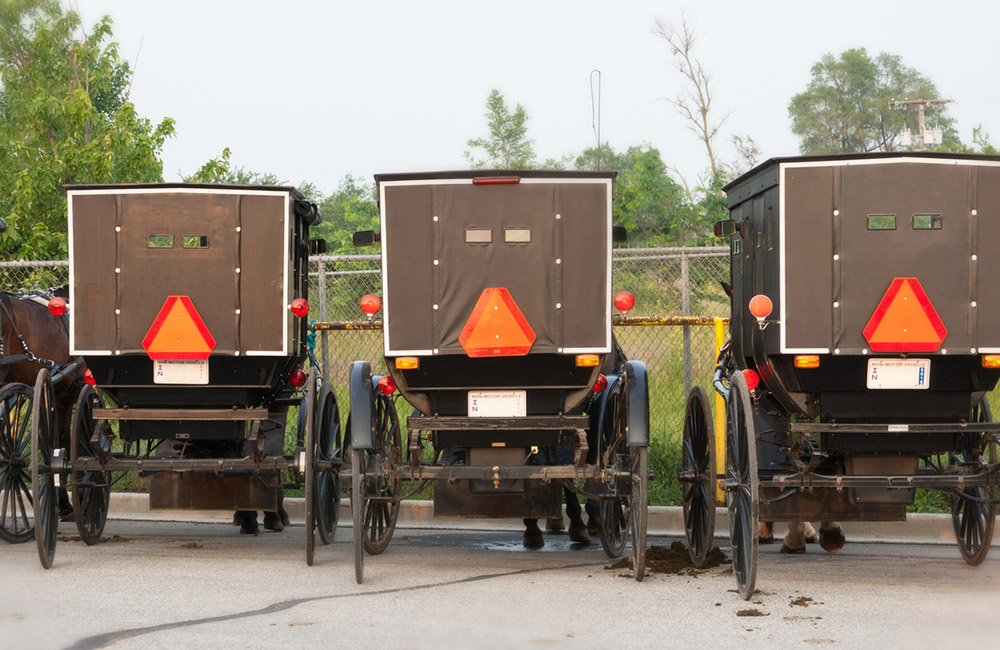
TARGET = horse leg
x,y
765,532
795,538
533,534
810,533
831,536
577,529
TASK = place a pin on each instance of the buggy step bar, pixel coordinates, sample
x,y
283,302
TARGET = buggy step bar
x,y
490,473
460,423
948,482
945,427
180,414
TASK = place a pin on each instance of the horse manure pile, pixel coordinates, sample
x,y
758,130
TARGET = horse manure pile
x,y
803,601
674,560
751,612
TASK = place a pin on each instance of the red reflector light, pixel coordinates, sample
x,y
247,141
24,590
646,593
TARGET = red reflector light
x,y
624,301
297,378
370,304
57,306
753,379
760,306
601,384
299,307
386,385
88,377
496,180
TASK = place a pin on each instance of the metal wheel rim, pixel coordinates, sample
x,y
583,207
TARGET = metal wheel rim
x,y
16,527
382,487
973,522
698,458
741,475
42,478
639,497
91,490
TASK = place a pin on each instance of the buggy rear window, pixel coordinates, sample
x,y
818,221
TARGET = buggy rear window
x,y
195,241
881,222
160,241
927,222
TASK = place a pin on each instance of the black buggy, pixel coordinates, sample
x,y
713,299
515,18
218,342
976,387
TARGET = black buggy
x,y
189,305
865,337
497,320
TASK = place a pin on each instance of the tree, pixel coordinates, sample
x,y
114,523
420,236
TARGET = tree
x,y
350,209
507,146
65,117
220,170
695,105
845,108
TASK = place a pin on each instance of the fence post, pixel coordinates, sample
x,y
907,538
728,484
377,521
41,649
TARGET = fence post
x,y
323,316
686,311
720,419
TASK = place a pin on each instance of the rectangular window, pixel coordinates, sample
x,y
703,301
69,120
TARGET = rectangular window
x,y
478,236
881,222
195,241
517,235
927,222
161,241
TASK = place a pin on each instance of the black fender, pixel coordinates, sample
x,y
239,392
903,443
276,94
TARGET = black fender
x,y
638,403
362,405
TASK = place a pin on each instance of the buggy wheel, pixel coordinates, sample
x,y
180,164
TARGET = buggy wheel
x,y
309,470
741,484
639,497
16,525
327,482
382,486
358,502
972,519
43,478
91,489
698,476
614,510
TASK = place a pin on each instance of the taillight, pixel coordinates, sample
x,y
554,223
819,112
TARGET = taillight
x,y
624,301
297,378
601,384
496,180
753,379
57,306
370,304
88,377
386,385
299,307
760,306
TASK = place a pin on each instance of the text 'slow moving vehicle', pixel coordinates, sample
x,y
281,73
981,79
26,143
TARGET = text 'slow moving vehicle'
x,y
497,321
865,337
189,304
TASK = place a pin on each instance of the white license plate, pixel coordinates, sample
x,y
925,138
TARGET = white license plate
x,y
497,403
180,372
899,373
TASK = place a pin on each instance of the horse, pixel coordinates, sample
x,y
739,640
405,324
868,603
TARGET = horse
x,y
830,537
31,338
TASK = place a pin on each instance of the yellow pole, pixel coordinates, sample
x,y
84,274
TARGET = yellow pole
x,y
720,418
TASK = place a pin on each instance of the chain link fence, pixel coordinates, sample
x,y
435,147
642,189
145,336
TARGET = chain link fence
x,y
666,282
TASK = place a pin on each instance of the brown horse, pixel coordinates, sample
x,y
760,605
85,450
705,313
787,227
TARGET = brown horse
x,y
32,339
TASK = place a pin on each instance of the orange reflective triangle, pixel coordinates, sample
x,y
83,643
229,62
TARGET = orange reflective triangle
x,y
496,328
905,320
178,332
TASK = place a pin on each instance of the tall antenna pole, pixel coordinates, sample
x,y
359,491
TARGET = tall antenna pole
x,y
595,113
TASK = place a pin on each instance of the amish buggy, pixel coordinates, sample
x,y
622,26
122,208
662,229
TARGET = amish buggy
x,y
189,305
497,301
865,337
34,335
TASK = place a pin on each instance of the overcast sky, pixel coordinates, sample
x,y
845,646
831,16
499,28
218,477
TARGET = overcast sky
x,y
312,90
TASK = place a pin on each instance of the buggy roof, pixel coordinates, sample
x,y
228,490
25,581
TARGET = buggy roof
x,y
493,173
170,186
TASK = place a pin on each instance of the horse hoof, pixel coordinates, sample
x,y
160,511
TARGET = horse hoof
x,y
272,521
592,527
285,521
766,540
533,538
812,539
832,539
792,551
578,532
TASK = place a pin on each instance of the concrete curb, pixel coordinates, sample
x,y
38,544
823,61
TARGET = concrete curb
x,y
663,521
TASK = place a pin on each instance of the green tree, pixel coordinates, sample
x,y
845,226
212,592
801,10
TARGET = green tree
x,y
65,117
350,209
845,108
220,170
507,146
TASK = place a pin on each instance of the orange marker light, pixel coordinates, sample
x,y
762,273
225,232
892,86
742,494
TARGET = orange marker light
x,y
587,360
407,363
370,304
761,306
991,361
807,361
624,301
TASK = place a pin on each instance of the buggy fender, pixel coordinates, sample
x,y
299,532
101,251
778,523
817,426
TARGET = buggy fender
x,y
638,403
362,405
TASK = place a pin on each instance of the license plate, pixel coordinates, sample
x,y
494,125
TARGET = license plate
x,y
497,403
180,372
899,373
